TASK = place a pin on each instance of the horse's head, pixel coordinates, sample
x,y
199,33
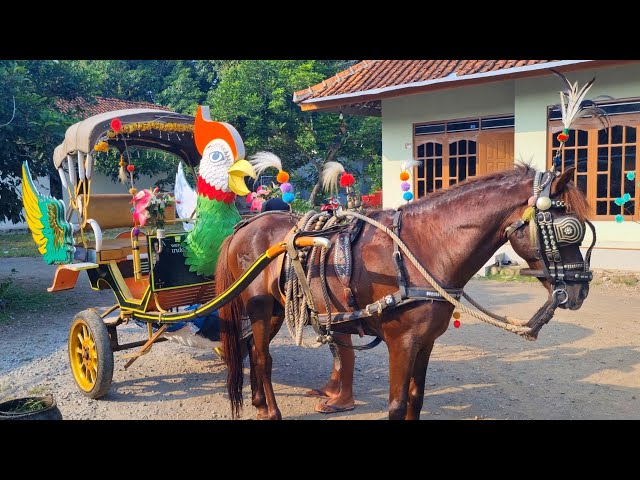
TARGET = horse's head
x,y
548,234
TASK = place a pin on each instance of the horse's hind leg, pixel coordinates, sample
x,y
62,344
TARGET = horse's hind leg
x,y
259,310
416,386
258,398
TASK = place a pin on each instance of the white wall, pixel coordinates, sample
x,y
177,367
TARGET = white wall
x,y
399,115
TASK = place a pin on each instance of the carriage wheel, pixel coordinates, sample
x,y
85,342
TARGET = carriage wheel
x,y
90,354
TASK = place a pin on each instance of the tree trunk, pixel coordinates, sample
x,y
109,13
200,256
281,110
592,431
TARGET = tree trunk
x,y
315,190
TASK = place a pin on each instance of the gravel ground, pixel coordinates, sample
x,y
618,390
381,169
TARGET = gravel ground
x,y
586,364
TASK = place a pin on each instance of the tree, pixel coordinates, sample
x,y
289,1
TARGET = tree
x,y
256,97
35,127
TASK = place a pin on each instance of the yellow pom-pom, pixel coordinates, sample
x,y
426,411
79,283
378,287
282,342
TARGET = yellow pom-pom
x,y
404,176
456,315
528,214
282,176
133,190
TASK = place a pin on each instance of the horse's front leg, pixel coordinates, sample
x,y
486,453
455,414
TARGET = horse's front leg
x,y
416,385
402,355
259,310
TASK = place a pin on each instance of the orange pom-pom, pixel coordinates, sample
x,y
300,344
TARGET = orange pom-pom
x,y
282,176
404,176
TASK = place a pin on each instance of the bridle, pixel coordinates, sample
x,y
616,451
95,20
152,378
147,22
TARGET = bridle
x,y
553,233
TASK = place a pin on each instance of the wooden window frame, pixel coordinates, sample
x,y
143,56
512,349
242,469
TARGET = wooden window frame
x,y
446,138
592,126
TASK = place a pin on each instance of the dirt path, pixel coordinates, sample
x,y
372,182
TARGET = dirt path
x,y
586,364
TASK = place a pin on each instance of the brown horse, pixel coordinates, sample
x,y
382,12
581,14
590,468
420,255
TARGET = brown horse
x,y
452,232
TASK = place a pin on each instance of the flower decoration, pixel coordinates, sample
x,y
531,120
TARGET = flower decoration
x,y
150,205
101,147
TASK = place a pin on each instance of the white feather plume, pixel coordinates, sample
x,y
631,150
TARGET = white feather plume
x,y
186,198
409,164
263,160
330,173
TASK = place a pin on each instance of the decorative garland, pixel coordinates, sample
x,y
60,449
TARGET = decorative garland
x,y
146,126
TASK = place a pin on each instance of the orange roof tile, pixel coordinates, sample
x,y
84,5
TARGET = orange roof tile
x,y
376,74
87,108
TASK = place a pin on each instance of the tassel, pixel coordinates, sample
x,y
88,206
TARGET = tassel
x,y
528,214
122,175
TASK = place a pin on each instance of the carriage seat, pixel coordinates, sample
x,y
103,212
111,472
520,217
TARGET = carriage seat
x,y
113,210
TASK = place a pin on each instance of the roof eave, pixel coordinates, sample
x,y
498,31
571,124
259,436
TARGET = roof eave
x,y
323,103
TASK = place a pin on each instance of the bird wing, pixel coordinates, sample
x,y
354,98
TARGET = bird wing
x,y
46,220
186,198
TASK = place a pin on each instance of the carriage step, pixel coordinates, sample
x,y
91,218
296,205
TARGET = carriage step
x,y
66,276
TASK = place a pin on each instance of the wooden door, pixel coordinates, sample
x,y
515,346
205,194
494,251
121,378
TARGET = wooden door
x,y
495,151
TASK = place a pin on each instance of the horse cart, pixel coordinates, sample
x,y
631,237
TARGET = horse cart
x,y
155,283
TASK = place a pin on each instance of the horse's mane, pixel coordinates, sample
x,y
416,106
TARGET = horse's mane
x,y
574,199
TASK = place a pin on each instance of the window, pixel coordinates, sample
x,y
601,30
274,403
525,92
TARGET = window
x,y
455,150
603,157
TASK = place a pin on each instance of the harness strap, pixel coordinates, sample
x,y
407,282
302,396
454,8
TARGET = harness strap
x,y
397,256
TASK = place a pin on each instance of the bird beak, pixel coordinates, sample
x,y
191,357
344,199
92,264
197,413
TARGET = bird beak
x,y
237,172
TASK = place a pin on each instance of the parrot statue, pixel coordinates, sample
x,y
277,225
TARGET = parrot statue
x,y
220,178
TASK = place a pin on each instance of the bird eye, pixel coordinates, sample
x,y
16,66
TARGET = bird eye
x,y
217,156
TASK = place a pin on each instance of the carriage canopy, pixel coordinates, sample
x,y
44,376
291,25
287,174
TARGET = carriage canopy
x,y
142,127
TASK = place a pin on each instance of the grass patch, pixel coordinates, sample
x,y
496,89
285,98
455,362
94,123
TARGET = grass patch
x,y
629,280
17,245
38,391
16,299
502,277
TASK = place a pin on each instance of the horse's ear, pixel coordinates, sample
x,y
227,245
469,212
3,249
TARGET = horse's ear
x,y
565,178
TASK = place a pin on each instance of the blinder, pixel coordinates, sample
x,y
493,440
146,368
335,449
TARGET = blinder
x,y
552,234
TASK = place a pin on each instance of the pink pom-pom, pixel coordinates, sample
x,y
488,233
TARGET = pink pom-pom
x,y
405,186
286,187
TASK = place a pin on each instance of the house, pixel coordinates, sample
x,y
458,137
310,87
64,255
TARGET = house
x,y
464,118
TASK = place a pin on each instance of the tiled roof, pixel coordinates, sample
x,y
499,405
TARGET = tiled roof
x,y
375,74
88,108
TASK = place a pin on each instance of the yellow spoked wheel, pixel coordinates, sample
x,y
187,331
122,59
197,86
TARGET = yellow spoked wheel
x,y
90,354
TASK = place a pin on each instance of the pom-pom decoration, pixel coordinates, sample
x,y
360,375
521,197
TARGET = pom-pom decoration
x,y
288,197
631,176
456,323
286,187
626,197
347,179
330,173
282,176
618,201
116,125
456,315
619,218
130,168
405,186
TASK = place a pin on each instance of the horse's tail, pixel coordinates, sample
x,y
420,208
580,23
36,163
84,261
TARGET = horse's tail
x,y
230,330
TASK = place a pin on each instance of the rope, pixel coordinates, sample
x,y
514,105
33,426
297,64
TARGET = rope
x,y
510,324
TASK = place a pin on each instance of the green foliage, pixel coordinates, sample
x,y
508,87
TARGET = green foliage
x,y
300,205
256,97
373,172
37,127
